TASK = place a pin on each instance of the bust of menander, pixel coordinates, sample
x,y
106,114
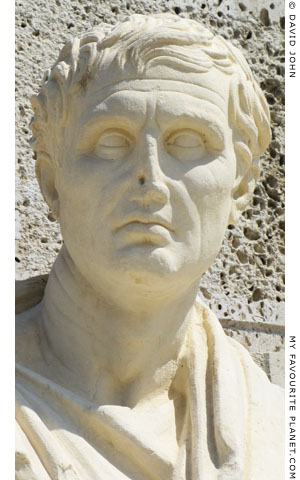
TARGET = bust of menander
x,y
147,136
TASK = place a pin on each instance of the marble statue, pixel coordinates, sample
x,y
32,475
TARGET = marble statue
x,y
147,136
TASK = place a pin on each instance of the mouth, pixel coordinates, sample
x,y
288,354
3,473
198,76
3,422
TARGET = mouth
x,y
152,232
146,224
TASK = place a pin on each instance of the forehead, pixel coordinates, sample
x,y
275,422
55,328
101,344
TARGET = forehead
x,y
166,99
136,108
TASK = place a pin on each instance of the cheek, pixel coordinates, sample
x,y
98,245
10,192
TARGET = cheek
x,y
211,185
77,188
97,182
89,190
210,188
82,185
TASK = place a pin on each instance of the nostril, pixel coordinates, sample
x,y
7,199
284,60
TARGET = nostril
x,y
142,180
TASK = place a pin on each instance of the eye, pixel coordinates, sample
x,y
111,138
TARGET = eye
x,y
113,144
186,144
186,139
113,140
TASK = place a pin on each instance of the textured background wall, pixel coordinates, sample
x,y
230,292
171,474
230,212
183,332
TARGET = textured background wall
x,y
245,286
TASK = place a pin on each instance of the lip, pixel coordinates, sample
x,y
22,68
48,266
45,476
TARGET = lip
x,y
147,222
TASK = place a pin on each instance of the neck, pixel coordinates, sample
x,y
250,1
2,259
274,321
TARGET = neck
x,y
122,352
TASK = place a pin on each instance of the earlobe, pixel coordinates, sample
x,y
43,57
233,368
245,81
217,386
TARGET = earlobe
x,y
241,197
45,173
246,177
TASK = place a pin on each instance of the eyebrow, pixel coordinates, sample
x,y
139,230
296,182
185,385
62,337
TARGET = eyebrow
x,y
103,110
165,120
208,125
98,121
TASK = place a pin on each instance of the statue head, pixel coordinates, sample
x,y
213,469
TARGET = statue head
x,y
147,136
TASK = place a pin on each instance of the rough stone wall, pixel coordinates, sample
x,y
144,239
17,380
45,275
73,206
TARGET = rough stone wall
x,y
245,286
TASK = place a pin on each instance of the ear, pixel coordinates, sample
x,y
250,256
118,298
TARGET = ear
x,y
45,172
247,172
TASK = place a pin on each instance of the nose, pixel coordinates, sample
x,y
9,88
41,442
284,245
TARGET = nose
x,y
150,177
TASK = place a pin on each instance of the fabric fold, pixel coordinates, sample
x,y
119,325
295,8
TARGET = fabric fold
x,y
221,435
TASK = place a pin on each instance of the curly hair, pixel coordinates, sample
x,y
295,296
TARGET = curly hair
x,y
131,48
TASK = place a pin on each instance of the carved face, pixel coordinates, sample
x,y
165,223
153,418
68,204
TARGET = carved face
x,y
145,188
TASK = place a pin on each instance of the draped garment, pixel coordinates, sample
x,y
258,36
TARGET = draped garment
x,y
229,425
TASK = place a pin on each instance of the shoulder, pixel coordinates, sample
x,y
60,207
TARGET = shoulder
x,y
244,393
260,390
255,375
29,292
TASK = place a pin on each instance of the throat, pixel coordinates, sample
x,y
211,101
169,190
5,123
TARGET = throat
x,y
115,356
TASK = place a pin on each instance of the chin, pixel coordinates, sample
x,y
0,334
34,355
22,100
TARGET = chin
x,y
150,268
